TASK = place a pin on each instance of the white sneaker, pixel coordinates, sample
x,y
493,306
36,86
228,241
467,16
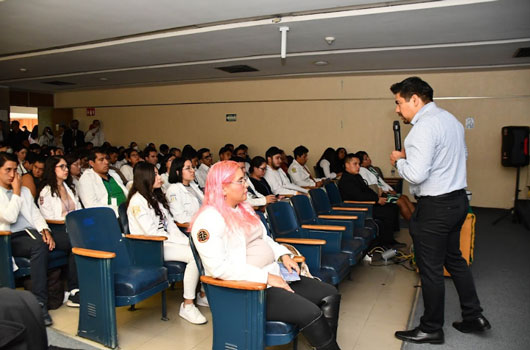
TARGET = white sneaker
x,y
202,301
190,313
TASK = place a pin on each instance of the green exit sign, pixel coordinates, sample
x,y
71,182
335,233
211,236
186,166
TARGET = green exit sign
x,y
231,117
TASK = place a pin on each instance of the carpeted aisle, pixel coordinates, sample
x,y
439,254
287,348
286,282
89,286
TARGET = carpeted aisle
x,y
502,275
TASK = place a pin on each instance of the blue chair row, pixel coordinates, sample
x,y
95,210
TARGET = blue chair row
x,y
113,270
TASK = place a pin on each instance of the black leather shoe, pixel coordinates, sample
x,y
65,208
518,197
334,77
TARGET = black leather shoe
x,y
45,315
417,336
477,325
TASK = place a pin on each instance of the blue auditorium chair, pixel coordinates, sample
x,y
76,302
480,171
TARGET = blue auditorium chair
x,y
239,314
353,241
175,269
335,199
110,271
284,224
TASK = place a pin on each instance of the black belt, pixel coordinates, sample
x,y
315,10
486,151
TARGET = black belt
x,y
445,195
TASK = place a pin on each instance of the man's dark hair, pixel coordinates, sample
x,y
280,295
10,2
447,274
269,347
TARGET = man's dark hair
x,y
224,149
413,86
243,146
350,156
111,150
4,157
128,152
300,151
148,150
237,159
188,152
271,152
164,148
93,152
201,151
239,148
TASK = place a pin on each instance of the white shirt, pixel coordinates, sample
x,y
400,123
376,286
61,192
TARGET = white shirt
x,y
436,153
326,166
371,179
201,174
165,185
279,182
144,221
300,175
127,171
223,252
97,137
183,204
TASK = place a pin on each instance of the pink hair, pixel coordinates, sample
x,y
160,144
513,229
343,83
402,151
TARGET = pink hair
x,y
243,218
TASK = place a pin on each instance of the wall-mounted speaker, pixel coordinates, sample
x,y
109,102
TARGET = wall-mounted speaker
x,y
515,146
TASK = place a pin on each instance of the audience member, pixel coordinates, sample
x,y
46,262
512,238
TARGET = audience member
x,y
206,160
254,198
338,166
132,156
258,167
150,155
47,138
276,177
16,136
148,214
95,134
163,152
183,194
21,152
73,137
164,170
224,153
34,135
74,170
324,164
299,173
31,180
99,186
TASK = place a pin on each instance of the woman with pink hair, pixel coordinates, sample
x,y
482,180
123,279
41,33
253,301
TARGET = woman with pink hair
x,y
234,245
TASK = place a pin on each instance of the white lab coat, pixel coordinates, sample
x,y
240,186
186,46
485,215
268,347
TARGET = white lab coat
x,y
165,185
127,171
97,137
224,253
256,199
371,179
144,221
182,204
201,174
300,175
280,183
10,210
51,206
93,192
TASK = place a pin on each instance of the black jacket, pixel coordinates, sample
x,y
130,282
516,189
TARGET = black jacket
x,y
353,188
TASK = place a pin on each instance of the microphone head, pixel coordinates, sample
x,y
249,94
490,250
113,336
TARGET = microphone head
x,y
396,125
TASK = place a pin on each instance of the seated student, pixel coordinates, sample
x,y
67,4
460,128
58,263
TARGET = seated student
x,y
258,167
74,170
325,162
285,161
30,237
32,179
338,166
21,152
176,152
241,152
190,153
234,245
183,194
55,200
353,187
114,154
148,214
276,177
224,153
254,198
132,156
163,152
206,160
99,186
299,173
150,155
372,177
164,170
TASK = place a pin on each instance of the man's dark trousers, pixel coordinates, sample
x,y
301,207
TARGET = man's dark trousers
x,y
435,229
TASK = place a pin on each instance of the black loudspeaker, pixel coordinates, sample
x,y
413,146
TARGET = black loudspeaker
x,y
515,146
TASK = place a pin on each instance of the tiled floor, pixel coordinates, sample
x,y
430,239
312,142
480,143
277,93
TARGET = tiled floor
x,y
375,303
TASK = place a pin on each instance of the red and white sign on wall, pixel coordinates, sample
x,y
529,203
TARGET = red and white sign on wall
x,y
90,112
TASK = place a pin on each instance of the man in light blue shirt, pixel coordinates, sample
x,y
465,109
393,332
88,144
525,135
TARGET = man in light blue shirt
x,y
434,163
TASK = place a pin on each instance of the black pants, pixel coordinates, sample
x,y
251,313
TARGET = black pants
x,y
62,242
388,215
22,245
435,229
302,306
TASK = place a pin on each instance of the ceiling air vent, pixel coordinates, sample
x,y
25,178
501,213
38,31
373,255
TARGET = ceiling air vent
x,y
522,52
57,83
242,68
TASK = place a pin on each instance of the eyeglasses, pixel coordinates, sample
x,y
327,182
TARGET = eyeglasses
x,y
208,157
263,168
62,166
241,182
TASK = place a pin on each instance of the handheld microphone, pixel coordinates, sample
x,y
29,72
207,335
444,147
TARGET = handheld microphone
x,y
397,135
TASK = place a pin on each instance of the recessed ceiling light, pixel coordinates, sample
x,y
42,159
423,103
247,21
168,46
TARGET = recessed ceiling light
x,y
321,63
103,79
23,70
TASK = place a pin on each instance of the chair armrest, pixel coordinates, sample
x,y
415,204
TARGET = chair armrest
x,y
349,209
324,227
359,202
147,238
245,285
182,225
5,233
55,222
307,241
338,217
299,259
91,253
